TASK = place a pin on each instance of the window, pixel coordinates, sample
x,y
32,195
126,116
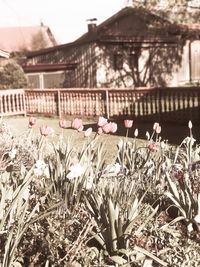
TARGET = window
x,y
133,61
118,61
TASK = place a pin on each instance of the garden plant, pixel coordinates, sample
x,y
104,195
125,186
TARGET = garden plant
x,y
64,204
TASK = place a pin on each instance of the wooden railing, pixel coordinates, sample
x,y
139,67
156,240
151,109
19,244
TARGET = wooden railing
x,y
164,105
12,102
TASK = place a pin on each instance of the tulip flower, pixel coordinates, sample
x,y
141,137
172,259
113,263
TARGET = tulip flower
x,y
32,122
102,121
107,128
152,147
147,135
128,123
77,124
63,124
158,129
136,132
113,127
155,126
46,130
190,125
88,132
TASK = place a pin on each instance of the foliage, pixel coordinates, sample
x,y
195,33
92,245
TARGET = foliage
x,y
64,205
39,41
12,76
177,10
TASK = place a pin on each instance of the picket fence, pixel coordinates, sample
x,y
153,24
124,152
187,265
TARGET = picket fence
x,y
161,104
12,102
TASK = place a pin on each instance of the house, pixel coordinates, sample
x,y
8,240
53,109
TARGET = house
x,y
4,55
133,48
17,39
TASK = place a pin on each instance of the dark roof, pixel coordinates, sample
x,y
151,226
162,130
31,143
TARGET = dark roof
x,y
49,67
88,37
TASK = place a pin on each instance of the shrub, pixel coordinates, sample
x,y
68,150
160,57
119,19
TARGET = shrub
x,y
12,76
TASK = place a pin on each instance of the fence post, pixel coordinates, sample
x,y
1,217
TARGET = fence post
x,y
59,106
24,103
107,104
160,104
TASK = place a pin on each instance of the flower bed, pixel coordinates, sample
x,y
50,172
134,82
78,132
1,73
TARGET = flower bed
x,y
64,205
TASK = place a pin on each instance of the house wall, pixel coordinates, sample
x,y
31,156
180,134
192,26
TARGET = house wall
x,y
155,65
84,55
98,65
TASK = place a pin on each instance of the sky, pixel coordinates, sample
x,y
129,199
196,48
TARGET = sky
x,y
67,19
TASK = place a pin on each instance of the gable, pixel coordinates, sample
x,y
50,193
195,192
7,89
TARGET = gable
x,y
135,22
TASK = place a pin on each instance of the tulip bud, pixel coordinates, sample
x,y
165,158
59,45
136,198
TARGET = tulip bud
x,y
147,135
136,132
190,125
88,132
32,122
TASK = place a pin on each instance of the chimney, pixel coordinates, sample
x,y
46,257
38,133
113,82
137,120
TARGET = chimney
x,y
92,26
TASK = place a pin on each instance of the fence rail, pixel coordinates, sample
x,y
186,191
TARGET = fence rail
x,y
162,104
12,102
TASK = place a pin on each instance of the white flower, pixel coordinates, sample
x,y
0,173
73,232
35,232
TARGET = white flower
x,y
89,183
41,169
75,171
12,153
197,218
190,227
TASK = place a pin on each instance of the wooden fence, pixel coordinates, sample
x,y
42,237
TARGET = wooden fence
x,y
154,104
12,102
162,104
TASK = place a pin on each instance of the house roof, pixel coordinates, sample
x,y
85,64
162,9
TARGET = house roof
x,y
14,39
4,54
169,26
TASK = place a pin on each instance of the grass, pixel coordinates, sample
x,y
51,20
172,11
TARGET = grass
x,y
19,125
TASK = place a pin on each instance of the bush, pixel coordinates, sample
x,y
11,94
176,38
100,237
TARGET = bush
x,y
12,76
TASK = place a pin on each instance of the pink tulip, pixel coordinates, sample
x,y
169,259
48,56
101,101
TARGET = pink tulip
x,y
63,123
102,121
155,125
77,124
113,127
88,132
152,147
32,122
46,130
128,123
158,129
107,128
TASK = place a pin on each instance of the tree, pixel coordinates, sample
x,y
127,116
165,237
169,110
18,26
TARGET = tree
x,y
181,11
39,41
12,76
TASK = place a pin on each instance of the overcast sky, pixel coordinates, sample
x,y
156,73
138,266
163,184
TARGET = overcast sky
x,y
66,18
